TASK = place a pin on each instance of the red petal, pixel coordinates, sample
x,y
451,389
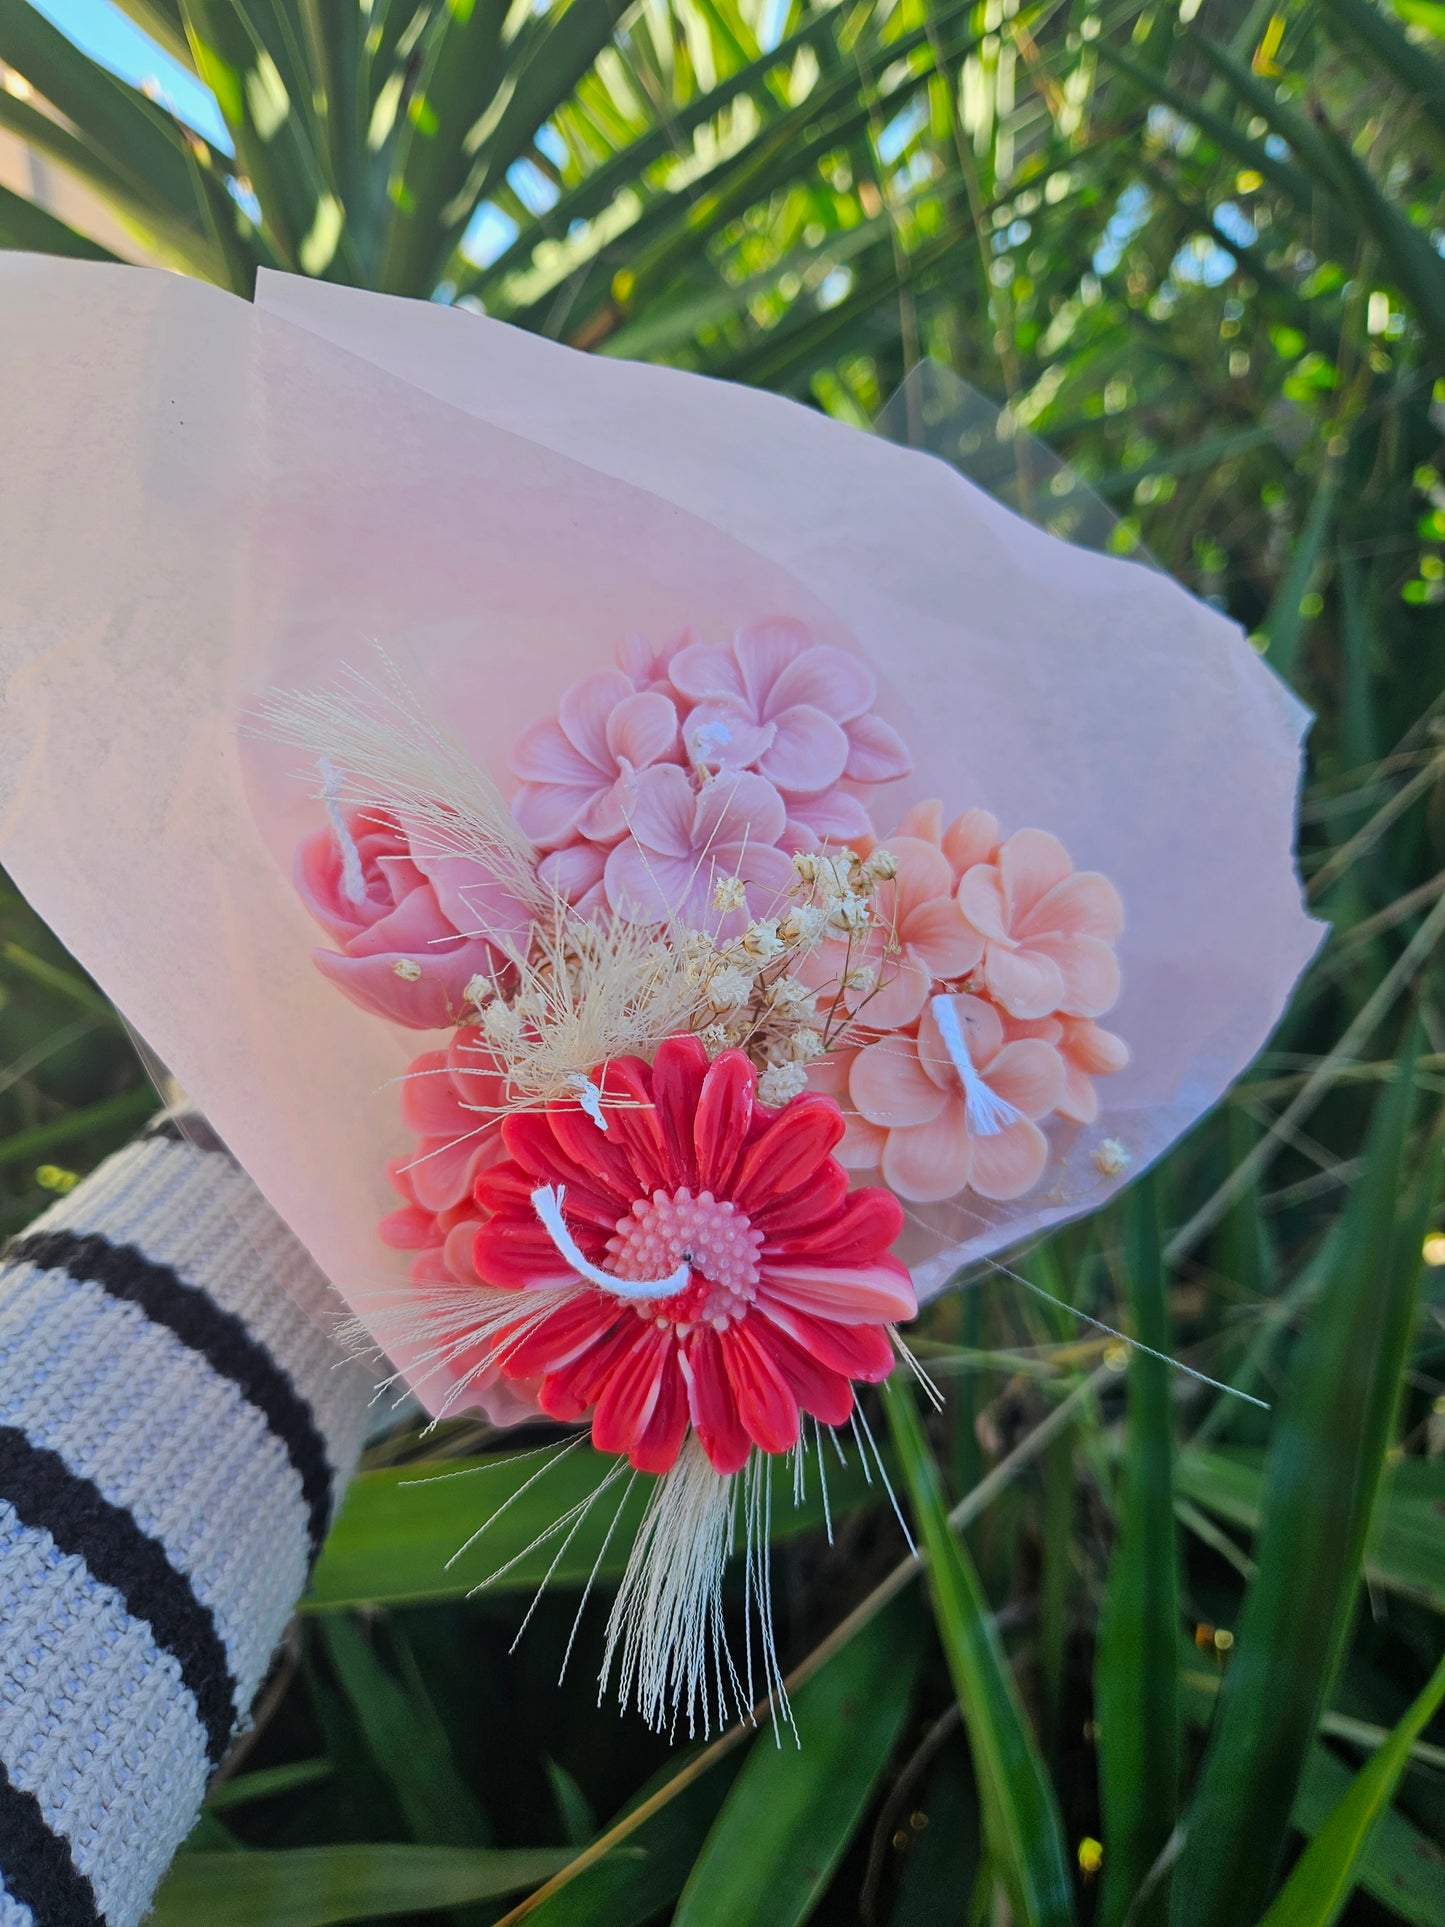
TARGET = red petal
x,y
818,1388
879,1292
787,1154
632,1117
409,1229
519,1257
580,1383
857,1351
679,1074
601,1153
660,1440
767,1408
724,1113
563,1336
863,1226
630,1397
532,1141
710,1400
811,1208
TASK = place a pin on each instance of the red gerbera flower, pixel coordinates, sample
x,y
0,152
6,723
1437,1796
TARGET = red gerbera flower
x,y
792,1287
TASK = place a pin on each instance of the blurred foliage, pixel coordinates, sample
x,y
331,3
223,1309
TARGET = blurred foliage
x,y
1197,248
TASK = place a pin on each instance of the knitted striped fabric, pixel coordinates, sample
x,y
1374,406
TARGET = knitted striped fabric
x,y
176,1431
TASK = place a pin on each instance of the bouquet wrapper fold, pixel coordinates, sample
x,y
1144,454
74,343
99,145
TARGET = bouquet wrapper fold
x,y
204,499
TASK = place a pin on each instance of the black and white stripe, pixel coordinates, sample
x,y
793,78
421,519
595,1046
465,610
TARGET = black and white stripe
x,y
174,1437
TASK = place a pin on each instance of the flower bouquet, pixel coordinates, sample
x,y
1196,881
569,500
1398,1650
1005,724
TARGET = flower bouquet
x,y
760,875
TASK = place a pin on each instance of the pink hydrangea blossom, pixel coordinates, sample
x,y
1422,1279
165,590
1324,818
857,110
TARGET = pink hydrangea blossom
x,y
684,841
1047,929
798,712
579,770
402,956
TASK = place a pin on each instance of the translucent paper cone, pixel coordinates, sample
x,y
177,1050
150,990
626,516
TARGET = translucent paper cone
x,y
202,499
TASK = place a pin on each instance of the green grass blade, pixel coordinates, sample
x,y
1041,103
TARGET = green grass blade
x,y
1401,1866
1139,1743
1021,1818
1329,1869
1321,1480
793,1808
318,1886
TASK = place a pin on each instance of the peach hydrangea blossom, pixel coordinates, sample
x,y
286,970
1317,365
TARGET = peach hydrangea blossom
x,y
579,769
909,1095
1088,1051
1046,929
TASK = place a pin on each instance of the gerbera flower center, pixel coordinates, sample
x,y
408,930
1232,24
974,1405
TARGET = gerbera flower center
x,y
711,1234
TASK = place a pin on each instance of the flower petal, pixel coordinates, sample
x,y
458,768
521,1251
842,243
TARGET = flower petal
x,y
840,684
787,1154
927,1162
645,887
543,753
1088,972
585,710
858,1351
980,897
664,811
1030,863
901,993
971,838
1009,1163
833,817
679,1074
808,751
890,1087
923,877
1026,982
1086,905
876,752
721,735
734,807
766,1407
705,670
823,1393
940,937
880,1291
643,729
724,1113
710,1397
1029,1075
763,651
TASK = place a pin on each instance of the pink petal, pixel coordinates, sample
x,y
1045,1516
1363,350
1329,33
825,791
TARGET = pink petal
x,y
833,817
768,874
1024,982
547,813
876,752
890,1087
1086,905
476,901
573,871
643,729
940,938
1088,971
645,887
735,807
841,685
705,670
971,838
665,809
416,925
763,651
432,1001
1029,1075
722,735
1030,863
584,712
980,897
429,1103
1009,1163
543,754
609,812
928,1162
807,753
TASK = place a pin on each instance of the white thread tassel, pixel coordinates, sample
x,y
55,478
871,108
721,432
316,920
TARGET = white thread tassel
x,y
547,1201
353,882
984,1110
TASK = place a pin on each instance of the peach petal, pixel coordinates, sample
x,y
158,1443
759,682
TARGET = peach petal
x,y
941,938
1025,983
1080,1101
1030,863
928,1162
1010,1163
1094,1049
924,821
981,899
834,817
1086,905
861,1147
1029,1075
982,1029
902,991
890,1086
1088,971
971,838
923,877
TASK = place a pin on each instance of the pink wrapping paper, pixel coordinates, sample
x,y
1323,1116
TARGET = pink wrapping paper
x,y
201,498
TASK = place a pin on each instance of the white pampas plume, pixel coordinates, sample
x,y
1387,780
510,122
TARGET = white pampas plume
x,y
387,754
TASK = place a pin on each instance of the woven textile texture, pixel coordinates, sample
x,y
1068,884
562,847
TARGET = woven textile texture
x,y
177,1428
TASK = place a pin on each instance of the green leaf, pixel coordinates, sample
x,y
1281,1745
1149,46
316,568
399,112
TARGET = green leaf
x,y
315,1886
795,1805
1021,1818
395,1540
1320,1485
266,1782
1401,1866
1420,74
1330,1867
1285,619
1139,1735
1429,14
25,226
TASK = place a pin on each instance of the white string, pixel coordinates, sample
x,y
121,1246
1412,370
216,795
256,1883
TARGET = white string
x,y
589,1096
547,1202
353,883
985,1111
